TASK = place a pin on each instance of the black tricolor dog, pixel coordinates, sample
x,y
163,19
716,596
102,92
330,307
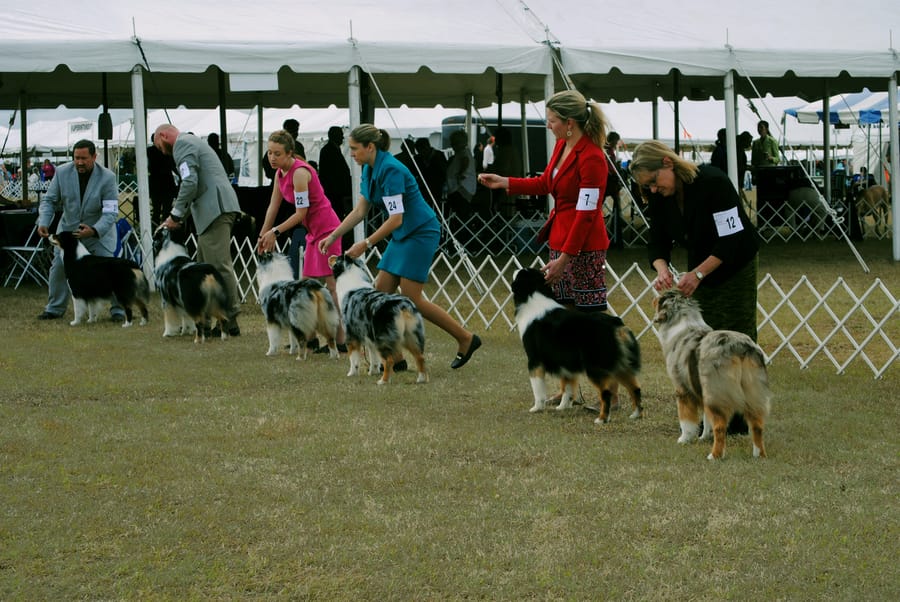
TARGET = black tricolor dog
x,y
566,343
192,293
95,279
378,324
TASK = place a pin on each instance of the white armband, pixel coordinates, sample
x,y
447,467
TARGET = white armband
x,y
728,222
301,199
184,170
587,199
394,204
110,206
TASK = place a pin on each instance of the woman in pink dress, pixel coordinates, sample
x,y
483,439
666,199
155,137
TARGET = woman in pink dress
x,y
297,184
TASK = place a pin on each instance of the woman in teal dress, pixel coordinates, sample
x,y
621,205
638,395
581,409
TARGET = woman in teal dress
x,y
411,224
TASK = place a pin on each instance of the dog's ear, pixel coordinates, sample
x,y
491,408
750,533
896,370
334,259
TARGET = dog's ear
x,y
332,259
659,304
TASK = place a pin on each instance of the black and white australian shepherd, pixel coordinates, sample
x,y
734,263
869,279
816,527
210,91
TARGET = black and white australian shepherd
x,y
566,343
94,280
378,324
192,293
300,308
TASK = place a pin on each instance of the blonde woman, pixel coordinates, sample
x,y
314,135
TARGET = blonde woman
x,y
297,184
412,226
576,177
698,208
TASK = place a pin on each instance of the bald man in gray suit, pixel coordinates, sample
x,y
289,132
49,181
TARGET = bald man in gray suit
x,y
207,195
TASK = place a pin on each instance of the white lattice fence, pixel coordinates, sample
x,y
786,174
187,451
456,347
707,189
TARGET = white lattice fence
x,y
837,324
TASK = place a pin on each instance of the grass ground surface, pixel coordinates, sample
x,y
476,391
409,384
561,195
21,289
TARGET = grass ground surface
x,y
140,468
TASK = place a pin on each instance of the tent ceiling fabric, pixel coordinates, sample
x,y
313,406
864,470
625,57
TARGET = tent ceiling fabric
x,y
427,52
861,108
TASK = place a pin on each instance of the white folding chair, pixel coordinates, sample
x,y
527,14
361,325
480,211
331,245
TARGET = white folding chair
x,y
31,258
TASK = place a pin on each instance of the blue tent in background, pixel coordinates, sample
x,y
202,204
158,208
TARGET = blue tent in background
x,y
860,108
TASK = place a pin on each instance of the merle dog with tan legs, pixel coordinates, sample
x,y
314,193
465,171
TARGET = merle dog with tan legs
x,y
717,372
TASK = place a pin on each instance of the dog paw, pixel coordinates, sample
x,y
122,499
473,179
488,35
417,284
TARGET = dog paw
x,y
684,439
421,378
381,381
601,420
143,322
272,352
635,415
74,323
536,408
127,324
712,457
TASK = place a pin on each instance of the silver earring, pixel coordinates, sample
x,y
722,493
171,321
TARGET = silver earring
x,y
568,133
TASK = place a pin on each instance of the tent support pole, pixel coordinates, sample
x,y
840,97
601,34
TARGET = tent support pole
x,y
730,130
23,146
262,146
549,90
526,158
895,161
140,156
826,139
354,102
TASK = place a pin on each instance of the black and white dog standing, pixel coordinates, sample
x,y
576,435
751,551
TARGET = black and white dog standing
x,y
192,293
566,343
94,280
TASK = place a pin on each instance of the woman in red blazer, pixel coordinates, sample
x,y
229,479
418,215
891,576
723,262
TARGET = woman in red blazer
x,y
576,177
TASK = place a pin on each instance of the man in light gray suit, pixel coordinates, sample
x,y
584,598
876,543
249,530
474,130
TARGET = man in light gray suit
x,y
88,197
207,195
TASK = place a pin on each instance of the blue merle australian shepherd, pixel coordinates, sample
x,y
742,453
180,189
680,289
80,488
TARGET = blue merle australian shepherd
x,y
378,324
299,308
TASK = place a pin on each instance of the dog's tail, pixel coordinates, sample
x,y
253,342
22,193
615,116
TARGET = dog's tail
x,y
411,327
629,348
141,286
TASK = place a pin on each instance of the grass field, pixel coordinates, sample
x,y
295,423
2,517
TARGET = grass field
x,y
140,468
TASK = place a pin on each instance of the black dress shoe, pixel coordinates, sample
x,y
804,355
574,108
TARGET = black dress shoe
x,y
118,318
48,316
461,358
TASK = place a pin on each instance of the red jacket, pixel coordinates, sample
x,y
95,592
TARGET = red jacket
x,y
578,190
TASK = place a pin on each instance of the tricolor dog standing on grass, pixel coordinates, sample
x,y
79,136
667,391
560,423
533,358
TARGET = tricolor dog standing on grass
x,y
299,308
718,372
94,280
377,323
192,293
566,343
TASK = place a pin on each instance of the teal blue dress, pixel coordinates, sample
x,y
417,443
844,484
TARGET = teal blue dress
x,y
412,246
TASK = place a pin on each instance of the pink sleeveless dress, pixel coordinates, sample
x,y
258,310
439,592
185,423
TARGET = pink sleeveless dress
x,y
321,220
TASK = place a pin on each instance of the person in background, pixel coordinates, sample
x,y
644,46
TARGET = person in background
x,y
764,151
297,184
334,173
460,184
86,194
47,170
227,161
161,180
208,196
433,164
744,141
698,208
719,157
614,188
487,154
412,226
576,177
